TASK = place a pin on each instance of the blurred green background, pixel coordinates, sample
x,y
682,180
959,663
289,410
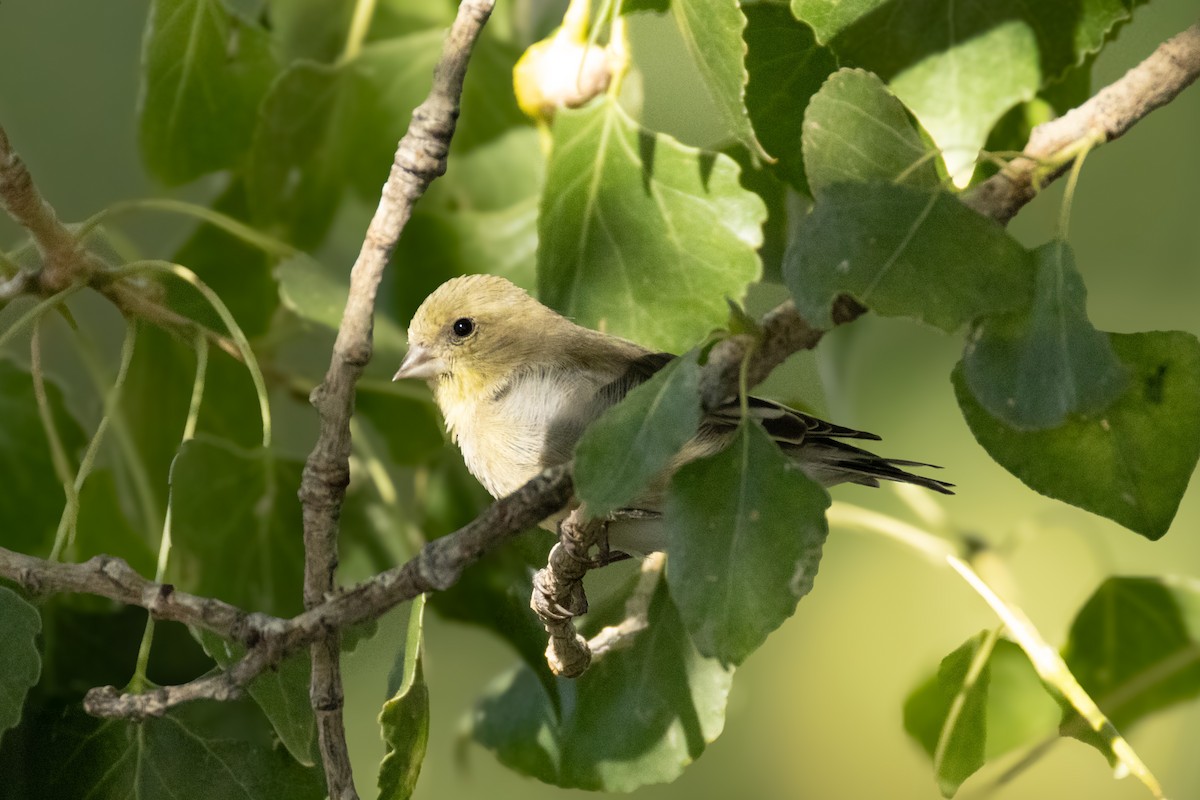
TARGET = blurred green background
x,y
817,711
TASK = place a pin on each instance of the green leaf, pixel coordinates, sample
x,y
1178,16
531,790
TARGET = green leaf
x,y
103,527
204,72
676,696
984,701
961,66
626,213
410,427
237,271
1032,368
449,243
1135,648
386,82
281,693
1132,461
236,526
309,29
786,67
953,707
493,593
20,664
481,215
404,718
171,756
904,251
712,33
317,293
296,172
856,131
636,439
32,500
744,529
325,127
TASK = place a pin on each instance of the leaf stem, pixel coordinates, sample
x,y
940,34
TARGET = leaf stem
x,y
934,548
137,470
222,311
36,312
1045,659
64,537
1054,671
58,453
360,23
233,227
1064,217
138,681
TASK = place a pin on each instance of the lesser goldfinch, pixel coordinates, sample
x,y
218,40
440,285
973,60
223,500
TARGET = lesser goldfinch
x,y
517,384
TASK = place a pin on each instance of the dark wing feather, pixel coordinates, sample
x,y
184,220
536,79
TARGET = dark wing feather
x,y
640,370
813,440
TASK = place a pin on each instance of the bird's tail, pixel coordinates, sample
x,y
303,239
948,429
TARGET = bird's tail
x,y
830,462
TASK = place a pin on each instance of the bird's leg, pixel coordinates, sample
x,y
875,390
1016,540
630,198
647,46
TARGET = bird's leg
x,y
579,535
558,595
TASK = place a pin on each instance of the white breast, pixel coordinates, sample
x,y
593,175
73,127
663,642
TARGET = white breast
x,y
503,436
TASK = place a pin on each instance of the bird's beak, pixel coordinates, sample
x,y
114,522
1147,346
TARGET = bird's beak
x,y
418,363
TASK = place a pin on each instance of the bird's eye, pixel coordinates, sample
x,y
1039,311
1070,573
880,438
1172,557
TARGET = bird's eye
x,y
463,327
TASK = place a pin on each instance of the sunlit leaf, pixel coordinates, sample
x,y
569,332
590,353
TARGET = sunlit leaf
x,y
786,67
712,33
961,66
904,251
856,131
636,439
638,716
1135,648
639,235
744,529
404,718
984,701
1034,367
1130,462
20,663
204,71
32,499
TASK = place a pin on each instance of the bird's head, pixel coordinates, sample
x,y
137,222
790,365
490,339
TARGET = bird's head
x,y
476,330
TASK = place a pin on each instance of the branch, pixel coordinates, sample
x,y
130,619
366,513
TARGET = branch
x,y
420,158
1115,109
270,639
107,576
60,253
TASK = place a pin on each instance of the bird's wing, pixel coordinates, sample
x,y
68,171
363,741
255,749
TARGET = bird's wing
x,y
785,425
813,443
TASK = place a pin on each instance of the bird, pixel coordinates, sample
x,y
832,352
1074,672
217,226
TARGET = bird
x,y
517,384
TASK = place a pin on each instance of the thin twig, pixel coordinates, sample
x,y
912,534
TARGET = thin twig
x,y
1115,109
420,158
